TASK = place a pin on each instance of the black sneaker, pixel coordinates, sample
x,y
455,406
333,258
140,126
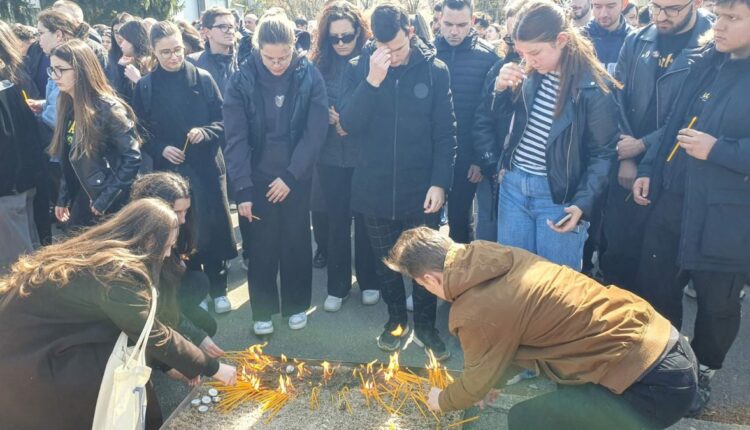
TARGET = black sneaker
x,y
391,338
430,341
320,260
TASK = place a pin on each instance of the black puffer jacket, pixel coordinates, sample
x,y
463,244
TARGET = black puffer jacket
x,y
221,67
407,131
244,123
105,177
636,69
581,143
468,64
715,232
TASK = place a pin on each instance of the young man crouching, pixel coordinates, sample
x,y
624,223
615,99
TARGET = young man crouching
x,y
618,362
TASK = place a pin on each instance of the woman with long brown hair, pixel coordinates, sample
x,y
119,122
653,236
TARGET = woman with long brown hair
x,y
563,136
342,32
95,135
63,307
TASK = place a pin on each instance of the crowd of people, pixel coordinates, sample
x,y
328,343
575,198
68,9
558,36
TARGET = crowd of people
x,y
598,136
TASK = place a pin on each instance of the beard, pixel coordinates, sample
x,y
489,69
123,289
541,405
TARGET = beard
x,y
680,26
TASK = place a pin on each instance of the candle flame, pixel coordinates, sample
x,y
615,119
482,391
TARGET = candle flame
x,y
398,331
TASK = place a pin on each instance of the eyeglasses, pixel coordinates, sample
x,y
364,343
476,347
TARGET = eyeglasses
x,y
57,72
167,53
278,61
669,11
344,38
225,28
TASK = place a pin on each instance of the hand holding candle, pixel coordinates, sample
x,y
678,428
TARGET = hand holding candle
x,y
677,145
511,75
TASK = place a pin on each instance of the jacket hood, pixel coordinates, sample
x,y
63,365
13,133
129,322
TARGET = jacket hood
x,y
467,266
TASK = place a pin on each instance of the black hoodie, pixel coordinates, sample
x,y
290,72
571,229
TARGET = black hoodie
x,y
407,132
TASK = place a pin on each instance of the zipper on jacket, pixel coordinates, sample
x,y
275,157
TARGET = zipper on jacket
x,y
395,139
526,109
83,186
570,146
657,91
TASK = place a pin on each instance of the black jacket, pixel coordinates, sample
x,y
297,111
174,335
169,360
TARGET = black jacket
x,y
468,64
105,177
168,105
219,66
244,124
581,143
636,70
407,130
35,63
338,151
21,158
715,231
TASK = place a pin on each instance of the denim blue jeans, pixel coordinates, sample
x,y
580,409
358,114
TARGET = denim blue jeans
x,y
524,207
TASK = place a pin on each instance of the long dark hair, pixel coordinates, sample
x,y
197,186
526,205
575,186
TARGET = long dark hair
x,y
169,187
322,53
91,87
135,32
542,21
115,52
127,248
11,60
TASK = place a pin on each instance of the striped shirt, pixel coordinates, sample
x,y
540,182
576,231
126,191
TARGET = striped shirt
x,y
530,155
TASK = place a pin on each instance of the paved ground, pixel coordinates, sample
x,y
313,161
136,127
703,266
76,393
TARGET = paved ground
x,y
349,335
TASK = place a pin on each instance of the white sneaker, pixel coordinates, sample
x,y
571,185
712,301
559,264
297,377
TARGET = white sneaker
x,y
222,305
333,303
263,327
410,303
298,321
370,297
204,304
689,290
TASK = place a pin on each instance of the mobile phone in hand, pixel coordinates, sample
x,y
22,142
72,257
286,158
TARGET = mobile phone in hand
x,y
562,220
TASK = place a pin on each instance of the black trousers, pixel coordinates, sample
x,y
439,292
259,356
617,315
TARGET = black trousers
x,y
460,206
336,184
320,226
281,245
383,235
623,226
215,270
660,281
659,399
245,235
192,291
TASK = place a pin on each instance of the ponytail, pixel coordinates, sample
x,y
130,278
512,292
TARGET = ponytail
x,y
274,28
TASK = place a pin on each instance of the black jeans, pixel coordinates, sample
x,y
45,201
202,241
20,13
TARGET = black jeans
x,y
460,206
659,399
336,184
383,235
320,226
659,280
622,228
718,319
281,245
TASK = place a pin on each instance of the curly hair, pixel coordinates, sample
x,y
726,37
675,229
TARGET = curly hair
x,y
323,53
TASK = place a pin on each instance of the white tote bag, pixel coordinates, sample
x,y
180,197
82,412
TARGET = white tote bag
x,y
121,404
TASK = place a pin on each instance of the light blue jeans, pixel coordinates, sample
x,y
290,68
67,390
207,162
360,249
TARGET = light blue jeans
x,y
525,205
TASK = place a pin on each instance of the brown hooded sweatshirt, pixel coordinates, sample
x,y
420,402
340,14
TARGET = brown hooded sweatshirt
x,y
513,307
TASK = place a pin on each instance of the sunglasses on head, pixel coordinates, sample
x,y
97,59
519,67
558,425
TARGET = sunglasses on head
x,y
346,38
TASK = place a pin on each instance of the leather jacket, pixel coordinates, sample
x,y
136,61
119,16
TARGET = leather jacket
x,y
107,175
580,146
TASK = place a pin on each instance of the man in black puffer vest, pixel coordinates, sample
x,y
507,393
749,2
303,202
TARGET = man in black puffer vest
x,y
468,58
